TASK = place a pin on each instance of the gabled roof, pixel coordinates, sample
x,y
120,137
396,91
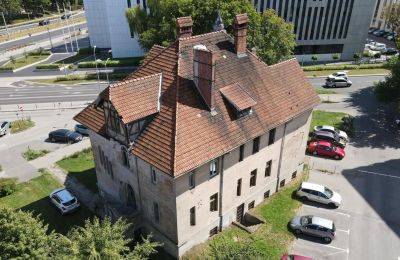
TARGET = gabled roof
x,y
184,134
238,97
136,98
92,117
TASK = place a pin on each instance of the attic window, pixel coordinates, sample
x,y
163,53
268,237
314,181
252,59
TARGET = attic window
x,y
239,98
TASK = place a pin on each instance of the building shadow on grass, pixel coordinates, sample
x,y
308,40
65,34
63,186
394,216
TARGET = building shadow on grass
x,y
87,178
374,125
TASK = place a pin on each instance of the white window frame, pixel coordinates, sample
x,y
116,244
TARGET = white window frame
x,y
214,168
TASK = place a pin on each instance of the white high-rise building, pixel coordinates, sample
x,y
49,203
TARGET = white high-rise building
x,y
108,26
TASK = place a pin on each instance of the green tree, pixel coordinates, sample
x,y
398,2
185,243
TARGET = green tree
x,y
35,6
224,249
12,60
389,89
9,8
357,57
392,15
24,236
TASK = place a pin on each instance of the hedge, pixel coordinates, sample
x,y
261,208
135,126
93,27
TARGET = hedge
x,y
7,186
37,52
6,68
47,66
88,50
114,76
344,67
111,63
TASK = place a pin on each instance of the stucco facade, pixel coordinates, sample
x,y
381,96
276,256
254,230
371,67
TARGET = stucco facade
x,y
175,196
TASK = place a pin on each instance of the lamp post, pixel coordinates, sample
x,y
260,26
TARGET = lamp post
x,y
105,66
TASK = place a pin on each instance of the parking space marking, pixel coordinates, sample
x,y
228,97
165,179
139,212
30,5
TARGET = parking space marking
x,y
380,174
342,230
338,248
327,210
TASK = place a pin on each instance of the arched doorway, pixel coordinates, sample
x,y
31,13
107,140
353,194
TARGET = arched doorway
x,y
130,196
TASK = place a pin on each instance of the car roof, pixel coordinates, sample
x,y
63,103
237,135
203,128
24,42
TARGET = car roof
x,y
61,131
64,195
325,127
324,133
325,143
312,186
323,222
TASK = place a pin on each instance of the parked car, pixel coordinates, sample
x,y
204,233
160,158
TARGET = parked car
x,y
44,22
372,29
339,74
65,16
319,193
337,82
4,128
333,138
296,257
379,32
314,226
390,51
385,34
65,135
64,201
378,46
83,130
392,37
331,129
325,148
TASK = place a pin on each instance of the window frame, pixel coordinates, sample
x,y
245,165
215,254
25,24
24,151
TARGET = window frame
x,y
192,180
214,172
192,212
271,136
156,212
241,153
268,168
239,187
125,157
256,145
214,202
253,178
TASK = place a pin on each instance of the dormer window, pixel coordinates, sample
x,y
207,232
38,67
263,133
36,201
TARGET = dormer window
x,y
239,98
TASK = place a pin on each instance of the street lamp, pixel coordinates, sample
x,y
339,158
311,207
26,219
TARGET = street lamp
x,y
105,66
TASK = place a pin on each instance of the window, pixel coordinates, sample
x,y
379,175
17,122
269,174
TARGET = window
x,y
156,212
239,187
129,3
268,168
153,175
192,180
251,205
101,156
214,168
110,170
294,174
214,202
193,216
241,153
253,178
125,157
266,194
318,49
256,145
271,137
114,121
282,183
213,231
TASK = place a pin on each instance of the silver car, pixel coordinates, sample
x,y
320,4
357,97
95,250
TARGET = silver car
x,y
4,128
337,82
319,193
314,226
64,201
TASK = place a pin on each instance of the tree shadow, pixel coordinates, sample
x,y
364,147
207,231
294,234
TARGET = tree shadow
x,y
374,123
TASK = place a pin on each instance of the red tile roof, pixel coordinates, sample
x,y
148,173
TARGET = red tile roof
x,y
238,97
184,134
93,118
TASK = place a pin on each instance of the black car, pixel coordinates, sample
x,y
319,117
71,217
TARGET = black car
x,y
65,16
372,29
44,22
390,51
64,135
379,33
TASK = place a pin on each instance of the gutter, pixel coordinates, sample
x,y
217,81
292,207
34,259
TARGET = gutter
x,y
221,185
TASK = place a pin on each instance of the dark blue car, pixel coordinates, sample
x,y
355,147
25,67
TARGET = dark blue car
x,y
64,135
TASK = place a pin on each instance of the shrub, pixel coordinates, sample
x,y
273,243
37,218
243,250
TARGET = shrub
x,y
6,68
32,154
110,63
7,186
314,57
47,66
336,56
377,55
115,76
88,50
39,51
1,168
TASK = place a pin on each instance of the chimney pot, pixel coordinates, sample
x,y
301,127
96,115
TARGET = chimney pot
x,y
184,27
240,33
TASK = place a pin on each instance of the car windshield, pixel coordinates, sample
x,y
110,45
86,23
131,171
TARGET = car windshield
x,y
3,124
328,192
305,220
337,131
68,203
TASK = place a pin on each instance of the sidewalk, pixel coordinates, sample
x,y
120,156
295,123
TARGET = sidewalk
x,y
44,106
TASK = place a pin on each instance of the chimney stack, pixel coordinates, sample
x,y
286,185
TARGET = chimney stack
x,y
240,32
204,73
184,27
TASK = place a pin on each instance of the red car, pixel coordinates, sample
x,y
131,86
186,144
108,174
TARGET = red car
x,y
296,257
325,148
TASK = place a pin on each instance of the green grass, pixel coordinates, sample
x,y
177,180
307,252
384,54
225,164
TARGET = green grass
x,y
32,154
21,125
81,166
64,82
73,59
350,72
325,91
273,238
320,117
21,62
33,196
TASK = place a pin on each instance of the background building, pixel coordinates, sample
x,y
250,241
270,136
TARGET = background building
x,y
108,26
324,27
378,20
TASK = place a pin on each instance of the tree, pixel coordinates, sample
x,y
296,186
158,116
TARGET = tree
x,y
224,249
389,89
24,236
272,37
392,15
35,6
9,8
357,57
12,60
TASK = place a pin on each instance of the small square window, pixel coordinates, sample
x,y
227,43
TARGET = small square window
x,y
214,168
294,174
266,194
256,145
192,180
213,231
282,183
268,168
251,205
253,178
153,175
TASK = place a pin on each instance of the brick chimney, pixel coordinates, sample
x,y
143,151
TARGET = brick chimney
x,y
204,73
184,27
240,32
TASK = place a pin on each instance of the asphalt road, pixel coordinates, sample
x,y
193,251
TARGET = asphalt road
x,y
22,92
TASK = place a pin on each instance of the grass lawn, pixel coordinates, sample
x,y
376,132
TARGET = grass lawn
x,y
81,166
74,58
21,62
21,125
32,154
325,91
64,82
350,72
320,117
273,238
33,196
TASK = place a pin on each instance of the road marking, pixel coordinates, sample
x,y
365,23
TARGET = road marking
x,y
338,248
340,252
380,174
342,230
82,95
327,210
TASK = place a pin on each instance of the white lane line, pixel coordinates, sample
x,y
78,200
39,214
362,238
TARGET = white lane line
x,y
338,248
380,174
342,230
327,210
335,253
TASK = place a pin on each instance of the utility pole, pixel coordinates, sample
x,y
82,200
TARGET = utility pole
x,y
73,26
65,42
5,24
51,42
69,31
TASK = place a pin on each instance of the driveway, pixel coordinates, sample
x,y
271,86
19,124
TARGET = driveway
x,y
368,179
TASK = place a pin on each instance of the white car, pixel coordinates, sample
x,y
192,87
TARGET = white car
x,y
339,74
333,130
64,201
4,127
319,193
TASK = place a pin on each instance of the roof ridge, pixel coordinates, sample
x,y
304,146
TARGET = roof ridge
x,y
121,83
200,35
282,62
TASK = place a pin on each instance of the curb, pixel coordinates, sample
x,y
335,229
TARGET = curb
x,y
32,64
365,75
